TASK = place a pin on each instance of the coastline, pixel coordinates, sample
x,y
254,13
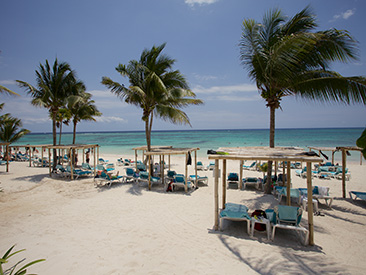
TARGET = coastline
x,y
127,229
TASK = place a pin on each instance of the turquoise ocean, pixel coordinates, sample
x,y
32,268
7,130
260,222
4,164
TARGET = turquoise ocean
x,y
121,143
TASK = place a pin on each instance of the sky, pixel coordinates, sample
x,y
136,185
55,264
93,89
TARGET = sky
x,y
94,36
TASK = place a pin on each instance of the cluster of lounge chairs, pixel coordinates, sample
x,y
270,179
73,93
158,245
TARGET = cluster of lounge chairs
x,y
282,216
326,171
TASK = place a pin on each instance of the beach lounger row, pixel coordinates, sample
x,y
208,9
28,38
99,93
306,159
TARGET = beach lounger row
x,y
281,217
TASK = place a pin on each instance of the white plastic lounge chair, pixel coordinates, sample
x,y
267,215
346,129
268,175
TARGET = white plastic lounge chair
x,y
250,167
144,178
106,179
180,182
235,212
77,172
320,192
200,165
357,194
289,217
294,193
257,182
102,161
202,180
233,181
131,176
211,166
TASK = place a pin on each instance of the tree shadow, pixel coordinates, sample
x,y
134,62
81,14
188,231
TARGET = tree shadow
x,y
294,258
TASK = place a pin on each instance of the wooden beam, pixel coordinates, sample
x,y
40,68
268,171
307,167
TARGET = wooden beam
x,y
223,183
344,160
216,192
241,175
310,203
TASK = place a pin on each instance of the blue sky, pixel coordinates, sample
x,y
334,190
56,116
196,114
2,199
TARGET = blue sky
x,y
94,36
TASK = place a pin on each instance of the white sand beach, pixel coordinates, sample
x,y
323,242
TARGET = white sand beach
x,y
126,229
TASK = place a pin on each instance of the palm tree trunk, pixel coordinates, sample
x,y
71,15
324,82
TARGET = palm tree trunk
x,y
272,119
74,133
54,134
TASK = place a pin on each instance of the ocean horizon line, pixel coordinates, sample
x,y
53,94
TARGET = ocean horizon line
x,y
198,130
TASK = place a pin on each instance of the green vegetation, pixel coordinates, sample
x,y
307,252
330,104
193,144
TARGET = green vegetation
x,y
286,58
12,270
361,142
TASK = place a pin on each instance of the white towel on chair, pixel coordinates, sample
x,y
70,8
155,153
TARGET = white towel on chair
x,y
323,191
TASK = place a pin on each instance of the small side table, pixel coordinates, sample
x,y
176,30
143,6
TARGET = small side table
x,y
261,221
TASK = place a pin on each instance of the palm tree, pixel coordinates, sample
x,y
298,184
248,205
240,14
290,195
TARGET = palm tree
x,y
286,58
155,88
53,87
9,129
81,107
63,116
6,90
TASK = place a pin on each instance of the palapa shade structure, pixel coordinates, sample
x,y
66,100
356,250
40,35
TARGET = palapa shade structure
x,y
344,150
168,151
31,148
73,147
288,154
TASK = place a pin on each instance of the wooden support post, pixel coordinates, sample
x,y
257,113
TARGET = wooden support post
x,y
344,158
162,166
288,178
136,160
241,175
49,160
169,161
216,214
223,183
186,175
310,203
148,169
195,168
95,167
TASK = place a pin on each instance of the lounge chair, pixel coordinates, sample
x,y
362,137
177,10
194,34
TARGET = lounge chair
x,y
202,180
294,193
200,165
211,166
61,171
180,182
131,176
144,178
250,167
253,181
77,172
357,194
102,161
320,192
289,217
170,174
110,166
235,212
233,181
106,179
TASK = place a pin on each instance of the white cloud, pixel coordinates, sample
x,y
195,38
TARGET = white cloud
x,y
225,89
108,119
30,120
204,77
7,82
199,2
343,15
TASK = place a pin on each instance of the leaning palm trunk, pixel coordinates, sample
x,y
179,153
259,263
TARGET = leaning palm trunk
x,y
267,188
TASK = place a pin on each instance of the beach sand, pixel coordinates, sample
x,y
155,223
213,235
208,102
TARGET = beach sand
x,y
126,229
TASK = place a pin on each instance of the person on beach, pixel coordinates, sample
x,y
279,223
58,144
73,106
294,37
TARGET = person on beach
x,y
87,156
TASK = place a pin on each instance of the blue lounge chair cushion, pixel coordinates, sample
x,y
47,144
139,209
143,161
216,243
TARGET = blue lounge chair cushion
x,y
233,177
361,195
233,210
288,214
